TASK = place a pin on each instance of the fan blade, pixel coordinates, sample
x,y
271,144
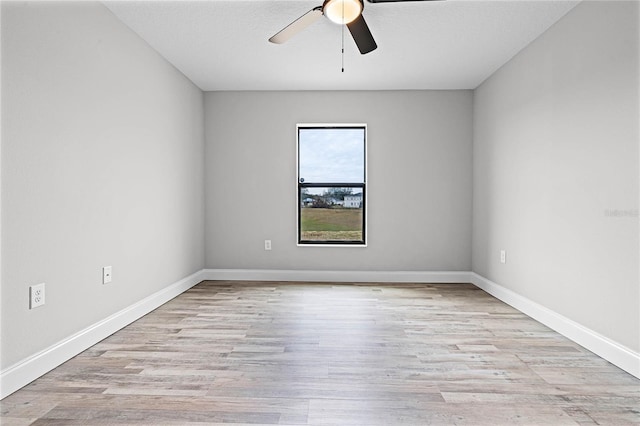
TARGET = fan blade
x,y
396,1
296,26
362,35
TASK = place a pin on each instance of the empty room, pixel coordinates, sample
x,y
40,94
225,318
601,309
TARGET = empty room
x,y
340,212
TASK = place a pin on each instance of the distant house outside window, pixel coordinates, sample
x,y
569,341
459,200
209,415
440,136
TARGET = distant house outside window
x,y
353,201
331,184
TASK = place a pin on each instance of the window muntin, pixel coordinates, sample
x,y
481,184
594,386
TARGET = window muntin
x,y
331,184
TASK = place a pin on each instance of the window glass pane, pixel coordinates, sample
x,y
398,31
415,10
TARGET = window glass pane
x,y
328,155
331,214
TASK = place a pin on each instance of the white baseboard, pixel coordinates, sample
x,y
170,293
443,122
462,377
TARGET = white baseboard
x,y
615,353
338,276
29,369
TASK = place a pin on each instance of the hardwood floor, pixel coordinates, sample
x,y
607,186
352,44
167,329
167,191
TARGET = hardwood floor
x,y
331,354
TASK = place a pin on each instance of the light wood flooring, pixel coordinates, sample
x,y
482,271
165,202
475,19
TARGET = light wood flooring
x,y
331,354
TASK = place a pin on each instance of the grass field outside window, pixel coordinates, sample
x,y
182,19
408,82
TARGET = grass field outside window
x,y
331,224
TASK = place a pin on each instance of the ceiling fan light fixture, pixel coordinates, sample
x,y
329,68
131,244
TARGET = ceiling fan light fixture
x,y
334,9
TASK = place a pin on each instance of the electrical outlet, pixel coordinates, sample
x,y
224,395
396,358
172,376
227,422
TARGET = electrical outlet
x,y
267,244
106,274
503,256
36,295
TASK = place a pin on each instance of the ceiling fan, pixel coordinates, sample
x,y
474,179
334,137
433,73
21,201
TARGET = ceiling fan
x,y
342,12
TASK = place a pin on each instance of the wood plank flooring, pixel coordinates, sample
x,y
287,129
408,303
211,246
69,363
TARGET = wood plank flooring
x,y
331,354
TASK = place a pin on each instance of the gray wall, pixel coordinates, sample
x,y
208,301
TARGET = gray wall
x,y
556,171
102,144
419,179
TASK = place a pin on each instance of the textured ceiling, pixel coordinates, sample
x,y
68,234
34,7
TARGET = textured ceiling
x,y
453,44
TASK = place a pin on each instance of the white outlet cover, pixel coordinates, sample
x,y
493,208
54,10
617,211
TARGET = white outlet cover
x,y
106,274
36,295
503,256
267,244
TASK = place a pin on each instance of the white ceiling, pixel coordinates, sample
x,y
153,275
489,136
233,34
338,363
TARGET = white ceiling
x,y
453,44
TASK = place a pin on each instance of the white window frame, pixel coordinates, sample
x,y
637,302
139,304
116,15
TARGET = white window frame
x,y
365,195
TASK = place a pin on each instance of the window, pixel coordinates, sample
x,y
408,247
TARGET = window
x,y
331,184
